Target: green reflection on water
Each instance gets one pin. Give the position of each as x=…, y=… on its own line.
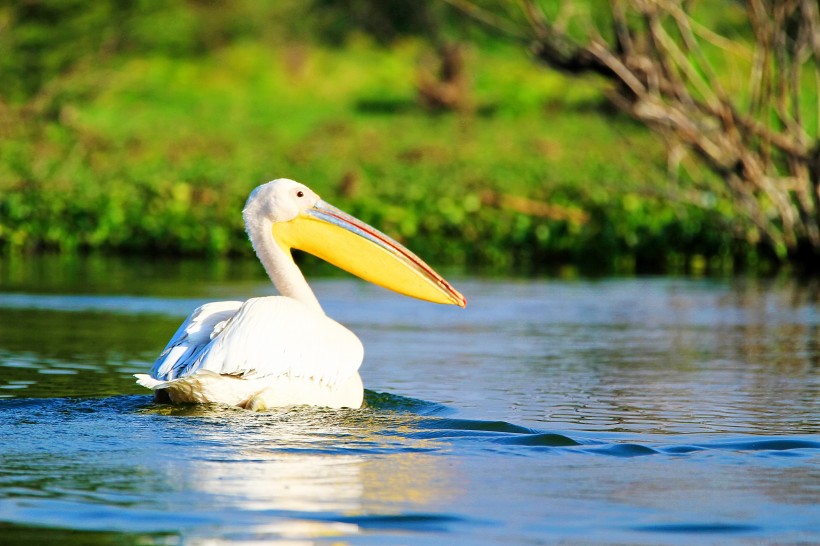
x=96, y=274
x=24, y=534
x=82, y=353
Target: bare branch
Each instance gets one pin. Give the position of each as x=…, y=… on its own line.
x=488, y=18
x=708, y=35
x=621, y=27
x=761, y=91
x=662, y=76
x=684, y=25
x=669, y=46
x=600, y=52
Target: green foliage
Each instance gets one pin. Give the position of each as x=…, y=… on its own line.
x=42, y=40
x=154, y=144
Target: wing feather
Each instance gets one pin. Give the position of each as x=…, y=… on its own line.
x=192, y=336
x=263, y=337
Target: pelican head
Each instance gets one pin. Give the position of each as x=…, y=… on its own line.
x=295, y=217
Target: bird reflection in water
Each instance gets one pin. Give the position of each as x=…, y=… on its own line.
x=304, y=473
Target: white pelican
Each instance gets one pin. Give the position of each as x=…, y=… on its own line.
x=283, y=350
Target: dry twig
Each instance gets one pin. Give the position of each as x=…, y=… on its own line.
x=759, y=145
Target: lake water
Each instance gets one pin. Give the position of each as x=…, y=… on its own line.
x=629, y=411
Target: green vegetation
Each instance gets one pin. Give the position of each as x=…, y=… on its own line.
x=137, y=141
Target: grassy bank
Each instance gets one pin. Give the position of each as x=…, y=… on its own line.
x=150, y=153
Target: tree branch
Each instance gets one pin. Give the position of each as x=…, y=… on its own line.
x=763, y=152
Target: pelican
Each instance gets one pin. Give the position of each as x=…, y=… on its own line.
x=283, y=350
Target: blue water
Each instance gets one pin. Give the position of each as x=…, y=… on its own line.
x=627, y=411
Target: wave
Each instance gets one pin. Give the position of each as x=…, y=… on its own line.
x=388, y=422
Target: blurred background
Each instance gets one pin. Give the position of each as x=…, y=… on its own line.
x=485, y=135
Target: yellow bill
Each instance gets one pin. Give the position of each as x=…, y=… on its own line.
x=350, y=244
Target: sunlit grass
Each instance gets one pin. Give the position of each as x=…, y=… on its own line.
x=152, y=152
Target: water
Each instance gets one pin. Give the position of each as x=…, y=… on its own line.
x=629, y=411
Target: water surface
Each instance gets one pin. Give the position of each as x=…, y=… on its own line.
x=641, y=411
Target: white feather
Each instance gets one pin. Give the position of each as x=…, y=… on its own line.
x=279, y=350
x=193, y=336
x=274, y=347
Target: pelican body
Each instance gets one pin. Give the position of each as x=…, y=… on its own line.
x=283, y=350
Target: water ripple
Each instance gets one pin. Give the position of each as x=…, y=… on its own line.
x=128, y=305
x=698, y=528
x=633, y=411
x=394, y=424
